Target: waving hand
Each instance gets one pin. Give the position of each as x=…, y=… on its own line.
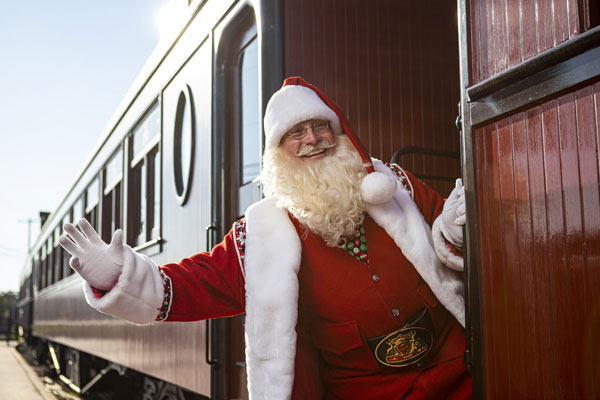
x=98, y=263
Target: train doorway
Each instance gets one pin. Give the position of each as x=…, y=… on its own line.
x=237, y=145
x=392, y=67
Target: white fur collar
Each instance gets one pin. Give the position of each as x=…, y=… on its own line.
x=273, y=253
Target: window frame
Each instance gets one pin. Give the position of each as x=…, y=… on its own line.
x=67, y=218
x=247, y=41
x=144, y=158
x=242, y=31
x=111, y=195
x=49, y=243
x=184, y=113
x=42, y=273
x=91, y=212
x=58, y=256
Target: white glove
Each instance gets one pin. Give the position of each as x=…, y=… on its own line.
x=453, y=216
x=98, y=263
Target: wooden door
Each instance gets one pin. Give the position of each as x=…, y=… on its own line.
x=530, y=85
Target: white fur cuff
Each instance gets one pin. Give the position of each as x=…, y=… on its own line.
x=449, y=259
x=138, y=293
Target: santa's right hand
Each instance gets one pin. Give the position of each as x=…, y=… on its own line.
x=98, y=263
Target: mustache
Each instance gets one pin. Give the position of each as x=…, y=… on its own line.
x=309, y=148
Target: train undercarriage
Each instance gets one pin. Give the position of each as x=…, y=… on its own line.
x=71, y=374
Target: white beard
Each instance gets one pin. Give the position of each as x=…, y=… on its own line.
x=323, y=195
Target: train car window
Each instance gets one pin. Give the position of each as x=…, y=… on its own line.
x=111, y=196
x=249, y=110
x=58, y=257
x=37, y=271
x=154, y=215
x=91, y=202
x=43, y=273
x=76, y=214
x=144, y=190
x=78, y=210
x=137, y=204
x=147, y=133
x=56, y=235
x=113, y=171
x=65, y=255
x=183, y=147
x=25, y=290
x=248, y=122
x=50, y=260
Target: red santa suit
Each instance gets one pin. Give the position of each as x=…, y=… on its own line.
x=311, y=309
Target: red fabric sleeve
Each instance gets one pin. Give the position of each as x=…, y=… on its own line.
x=428, y=200
x=207, y=285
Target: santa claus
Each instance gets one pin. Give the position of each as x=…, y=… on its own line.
x=348, y=271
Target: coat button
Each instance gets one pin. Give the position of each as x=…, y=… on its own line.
x=420, y=364
x=395, y=312
x=375, y=278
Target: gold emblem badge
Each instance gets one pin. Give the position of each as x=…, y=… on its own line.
x=404, y=347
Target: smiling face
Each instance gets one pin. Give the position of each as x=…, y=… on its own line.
x=309, y=140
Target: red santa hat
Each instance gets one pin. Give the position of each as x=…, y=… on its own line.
x=298, y=101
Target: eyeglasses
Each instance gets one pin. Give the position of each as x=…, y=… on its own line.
x=300, y=133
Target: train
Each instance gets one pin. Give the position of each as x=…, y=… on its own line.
x=176, y=166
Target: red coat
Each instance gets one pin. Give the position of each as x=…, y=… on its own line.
x=342, y=305
x=342, y=302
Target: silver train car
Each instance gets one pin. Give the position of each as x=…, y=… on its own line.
x=175, y=166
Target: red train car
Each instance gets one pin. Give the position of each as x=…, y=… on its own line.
x=185, y=144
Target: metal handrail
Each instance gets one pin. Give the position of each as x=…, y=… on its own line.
x=410, y=150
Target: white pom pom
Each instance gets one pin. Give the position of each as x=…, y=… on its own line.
x=377, y=187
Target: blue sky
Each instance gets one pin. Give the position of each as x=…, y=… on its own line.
x=64, y=67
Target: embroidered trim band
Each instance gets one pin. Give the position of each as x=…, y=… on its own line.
x=239, y=235
x=168, y=295
x=400, y=174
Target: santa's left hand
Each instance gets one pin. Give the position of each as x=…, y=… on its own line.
x=453, y=216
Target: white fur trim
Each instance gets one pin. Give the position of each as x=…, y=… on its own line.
x=273, y=254
x=439, y=244
x=378, y=187
x=403, y=221
x=138, y=293
x=291, y=105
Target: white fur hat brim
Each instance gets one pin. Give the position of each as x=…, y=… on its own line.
x=291, y=105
